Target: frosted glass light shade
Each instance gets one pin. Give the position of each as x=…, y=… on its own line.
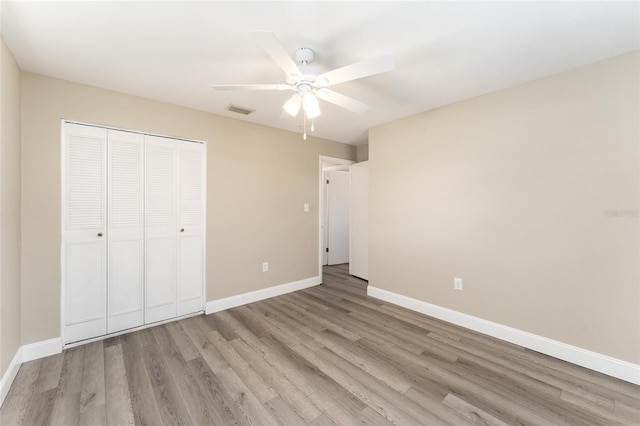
x=292, y=106
x=310, y=105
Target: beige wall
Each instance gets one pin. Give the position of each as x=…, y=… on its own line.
x=9, y=207
x=362, y=153
x=258, y=180
x=531, y=196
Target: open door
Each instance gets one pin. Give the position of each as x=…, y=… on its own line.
x=359, y=221
x=337, y=217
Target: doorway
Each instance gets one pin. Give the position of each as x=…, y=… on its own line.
x=333, y=211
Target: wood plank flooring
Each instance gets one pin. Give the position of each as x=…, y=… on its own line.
x=322, y=356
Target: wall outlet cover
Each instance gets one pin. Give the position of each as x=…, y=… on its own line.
x=457, y=283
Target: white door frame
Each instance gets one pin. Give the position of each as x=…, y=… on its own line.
x=334, y=161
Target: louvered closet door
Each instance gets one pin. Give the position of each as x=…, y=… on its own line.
x=160, y=229
x=83, y=232
x=191, y=205
x=125, y=271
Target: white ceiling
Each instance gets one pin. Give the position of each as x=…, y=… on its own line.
x=444, y=51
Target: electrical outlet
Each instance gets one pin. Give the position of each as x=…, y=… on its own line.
x=305, y=207
x=457, y=283
x=265, y=266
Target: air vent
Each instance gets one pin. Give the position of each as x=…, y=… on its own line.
x=239, y=109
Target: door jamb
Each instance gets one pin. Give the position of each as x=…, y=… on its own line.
x=321, y=160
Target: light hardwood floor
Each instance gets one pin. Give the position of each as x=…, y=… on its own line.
x=321, y=356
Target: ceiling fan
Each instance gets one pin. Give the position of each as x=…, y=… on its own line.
x=308, y=83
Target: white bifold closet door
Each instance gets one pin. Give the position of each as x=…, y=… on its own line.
x=133, y=230
x=174, y=228
x=191, y=238
x=125, y=230
x=84, y=242
x=161, y=224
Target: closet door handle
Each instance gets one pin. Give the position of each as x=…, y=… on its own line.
x=99, y=234
x=181, y=229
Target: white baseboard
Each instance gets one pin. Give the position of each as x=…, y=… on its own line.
x=41, y=349
x=255, y=296
x=602, y=363
x=10, y=375
x=54, y=346
x=26, y=353
x=129, y=330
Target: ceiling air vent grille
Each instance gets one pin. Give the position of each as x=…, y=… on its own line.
x=239, y=109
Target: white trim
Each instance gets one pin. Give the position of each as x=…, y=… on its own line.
x=41, y=349
x=592, y=360
x=26, y=353
x=54, y=346
x=63, y=154
x=109, y=127
x=321, y=159
x=204, y=226
x=10, y=375
x=255, y=296
x=129, y=330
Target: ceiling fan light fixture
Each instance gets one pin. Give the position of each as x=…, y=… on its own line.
x=310, y=105
x=292, y=106
x=312, y=112
x=305, y=78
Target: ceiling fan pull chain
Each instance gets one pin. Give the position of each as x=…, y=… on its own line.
x=304, y=126
x=306, y=81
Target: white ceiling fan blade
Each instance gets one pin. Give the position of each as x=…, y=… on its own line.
x=252, y=87
x=358, y=70
x=342, y=101
x=274, y=48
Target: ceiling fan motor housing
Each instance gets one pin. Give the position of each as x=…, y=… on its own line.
x=304, y=56
x=308, y=81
